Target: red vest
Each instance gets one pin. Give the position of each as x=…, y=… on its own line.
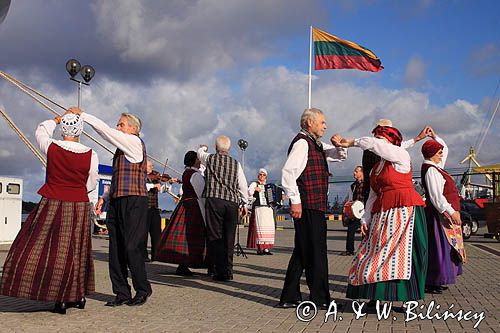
x=394, y=189
x=128, y=178
x=450, y=191
x=313, y=181
x=67, y=174
x=187, y=188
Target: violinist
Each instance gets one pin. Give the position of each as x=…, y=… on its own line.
x=154, y=185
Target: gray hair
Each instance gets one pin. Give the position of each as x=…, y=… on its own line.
x=308, y=114
x=133, y=120
x=222, y=143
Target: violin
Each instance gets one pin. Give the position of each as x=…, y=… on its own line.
x=162, y=177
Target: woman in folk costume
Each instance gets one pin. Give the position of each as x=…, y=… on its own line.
x=51, y=257
x=442, y=210
x=261, y=229
x=391, y=261
x=183, y=241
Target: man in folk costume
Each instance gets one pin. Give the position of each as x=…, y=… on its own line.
x=184, y=239
x=356, y=194
x=51, y=257
x=261, y=229
x=305, y=180
x=391, y=261
x=446, y=246
x=127, y=210
x=154, y=186
x=225, y=190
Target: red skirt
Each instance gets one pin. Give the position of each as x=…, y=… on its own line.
x=183, y=241
x=51, y=257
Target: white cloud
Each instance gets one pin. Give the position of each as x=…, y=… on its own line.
x=415, y=72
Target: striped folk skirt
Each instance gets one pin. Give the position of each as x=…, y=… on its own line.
x=183, y=241
x=261, y=230
x=51, y=257
x=401, y=289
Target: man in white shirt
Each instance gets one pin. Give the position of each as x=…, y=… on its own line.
x=225, y=190
x=127, y=211
x=305, y=180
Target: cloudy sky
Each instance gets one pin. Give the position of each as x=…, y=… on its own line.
x=195, y=69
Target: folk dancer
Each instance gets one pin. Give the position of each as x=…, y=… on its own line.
x=184, y=239
x=225, y=191
x=51, y=257
x=261, y=229
x=154, y=186
x=442, y=210
x=391, y=261
x=356, y=194
x=127, y=209
x=305, y=180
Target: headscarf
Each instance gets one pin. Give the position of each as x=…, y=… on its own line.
x=390, y=133
x=71, y=125
x=430, y=148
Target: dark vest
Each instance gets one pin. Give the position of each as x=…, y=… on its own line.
x=67, y=174
x=358, y=192
x=221, y=178
x=128, y=178
x=153, y=195
x=450, y=191
x=313, y=181
x=188, y=191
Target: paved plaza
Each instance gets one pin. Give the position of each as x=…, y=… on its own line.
x=198, y=304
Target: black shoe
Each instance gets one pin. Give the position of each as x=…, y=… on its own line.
x=138, y=300
x=260, y=253
x=287, y=305
x=60, y=308
x=267, y=252
x=80, y=304
x=221, y=278
x=443, y=288
x=118, y=301
x=183, y=271
x=433, y=290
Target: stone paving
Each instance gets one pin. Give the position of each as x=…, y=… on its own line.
x=198, y=304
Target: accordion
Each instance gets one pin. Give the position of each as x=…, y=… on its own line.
x=269, y=195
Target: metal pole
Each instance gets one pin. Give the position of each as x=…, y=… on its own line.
x=310, y=64
x=79, y=93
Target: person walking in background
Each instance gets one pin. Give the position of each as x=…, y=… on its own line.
x=51, y=257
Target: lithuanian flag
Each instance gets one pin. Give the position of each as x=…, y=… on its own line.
x=331, y=52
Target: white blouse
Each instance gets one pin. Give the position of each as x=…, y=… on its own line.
x=44, y=133
x=435, y=182
x=396, y=155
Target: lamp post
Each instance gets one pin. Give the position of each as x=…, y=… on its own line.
x=87, y=72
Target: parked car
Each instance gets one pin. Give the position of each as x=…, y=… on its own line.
x=477, y=213
x=467, y=224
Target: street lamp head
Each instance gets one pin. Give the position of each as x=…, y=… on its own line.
x=87, y=72
x=243, y=144
x=73, y=67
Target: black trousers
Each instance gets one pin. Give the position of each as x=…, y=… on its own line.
x=127, y=222
x=154, y=230
x=352, y=225
x=309, y=254
x=222, y=217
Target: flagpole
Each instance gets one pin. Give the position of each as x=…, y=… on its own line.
x=310, y=63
